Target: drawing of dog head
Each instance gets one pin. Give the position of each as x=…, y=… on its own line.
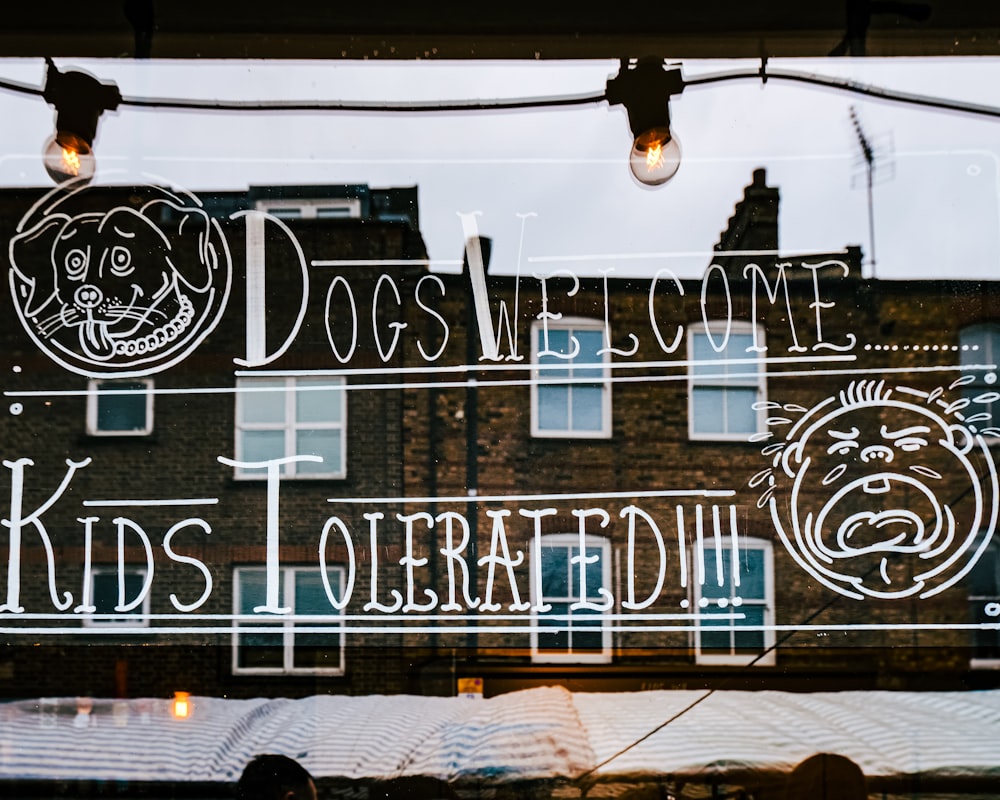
x=881, y=492
x=116, y=291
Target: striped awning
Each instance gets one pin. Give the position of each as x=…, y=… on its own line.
x=890, y=735
x=522, y=736
x=537, y=734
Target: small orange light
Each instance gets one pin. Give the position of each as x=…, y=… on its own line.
x=654, y=157
x=181, y=707
x=71, y=161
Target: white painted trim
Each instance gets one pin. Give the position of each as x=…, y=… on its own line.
x=557, y=657
x=287, y=628
x=735, y=327
x=290, y=426
x=576, y=323
x=740, y=659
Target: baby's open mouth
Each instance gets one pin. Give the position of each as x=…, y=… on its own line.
x=890, y=530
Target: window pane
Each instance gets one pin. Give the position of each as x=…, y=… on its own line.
x=318, y=404
x=263, y=406
x=105, y=591
x=260, y=651
x=739, y=346
x=324, y=443
x=105, y=595
x=553, y=408
x=558, y=343
x=708, y=409
x=986, y=642
x=715, y=634
x=752, y=576
x=711, y=588
x=984, y=580
x=590, y=342
x=749, y=640
x=586, y=633
x=702, y=350
x=263, y=445
x=553, y=640
x=310, y=596
x=316, y=651
x=555, y=572
x=333, y=212
x=121, y=412
x=253, y=589
x=595, y=574
x=979, y=344
x=586, y=407
x=740, y=415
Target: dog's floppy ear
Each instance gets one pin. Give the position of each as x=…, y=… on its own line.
x=31, y=254
x=192, y=252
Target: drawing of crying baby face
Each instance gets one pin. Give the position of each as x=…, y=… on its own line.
x=870, y=494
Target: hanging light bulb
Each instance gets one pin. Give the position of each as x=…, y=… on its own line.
x=67, y=156
x=655, y=156
x=645, y=89
x=79, y=100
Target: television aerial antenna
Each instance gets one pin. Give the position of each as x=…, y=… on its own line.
x=874, y=164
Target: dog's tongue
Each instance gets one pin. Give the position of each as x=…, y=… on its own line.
x=95, y=341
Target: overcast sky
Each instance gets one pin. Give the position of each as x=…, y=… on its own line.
x=935, y=201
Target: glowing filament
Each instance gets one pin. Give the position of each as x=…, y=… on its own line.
x=654, y=156
x=71, y=161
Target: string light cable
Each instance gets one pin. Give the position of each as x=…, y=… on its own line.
x=764, y=75
x=644, y=87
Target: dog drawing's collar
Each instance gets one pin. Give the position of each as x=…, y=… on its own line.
x=152, y=342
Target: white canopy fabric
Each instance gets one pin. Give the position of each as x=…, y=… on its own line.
x=537, y=734
x=888, y=734
x=526, y=735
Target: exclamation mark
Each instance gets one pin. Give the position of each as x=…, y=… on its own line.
x=735, y=555
x=720, y=572
x=682, y=554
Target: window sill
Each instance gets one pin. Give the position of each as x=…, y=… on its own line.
x=570, y=658
x=735, y=660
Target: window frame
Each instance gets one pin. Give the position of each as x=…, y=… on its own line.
x=310, y=208
x=138, y=618
x=285, y=625
x=93, y=417
x=567, y=541
x=734, y=658
x=724, y=382
x=990, y=332
x=290, y=471
x=992, y=553
x=571, y=324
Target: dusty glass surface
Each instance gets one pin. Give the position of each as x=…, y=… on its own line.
x=350, y=420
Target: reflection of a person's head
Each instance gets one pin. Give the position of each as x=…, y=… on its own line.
x=275, y=777
x=826, y=776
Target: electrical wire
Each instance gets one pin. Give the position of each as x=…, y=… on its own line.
x=733, y=677
x=763, y=74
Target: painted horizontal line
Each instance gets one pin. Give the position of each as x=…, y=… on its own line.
x=468, y=629
x=676, y=254
x=336, y=619
x=386, y=262
x=503, y=498
x=486, y=384
x=193, y=501
x=523, y=366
